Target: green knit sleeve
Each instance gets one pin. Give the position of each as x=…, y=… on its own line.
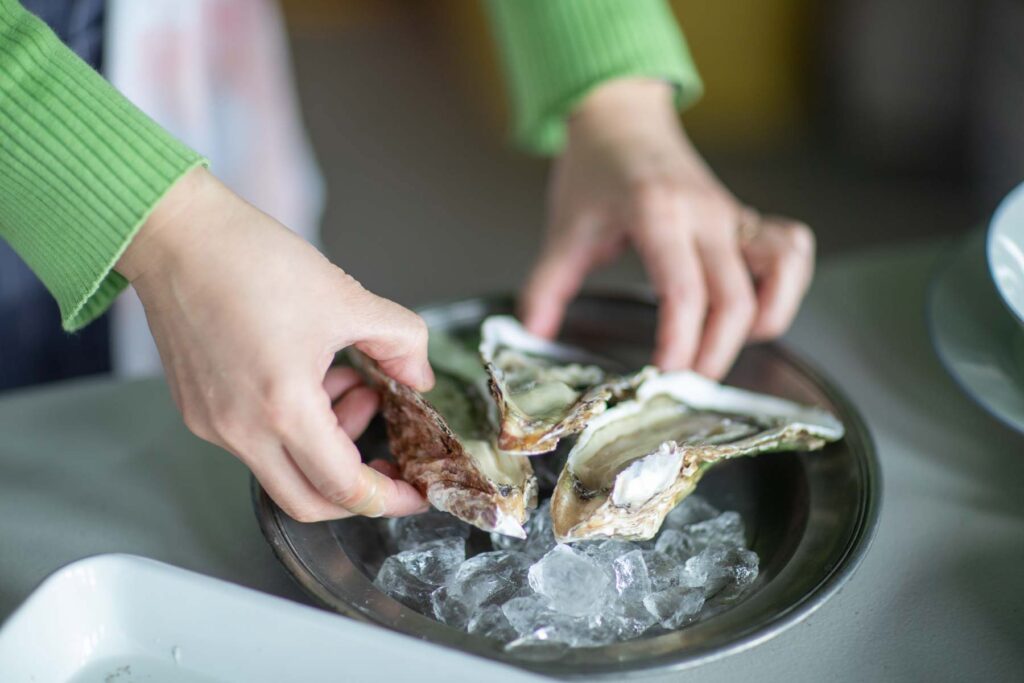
x=556, y=51
x=80, y=166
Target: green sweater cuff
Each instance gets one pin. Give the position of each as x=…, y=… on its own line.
x=556, y=51
x=80, y=167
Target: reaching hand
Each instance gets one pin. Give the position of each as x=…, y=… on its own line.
x=248, y=317
x=722, y=273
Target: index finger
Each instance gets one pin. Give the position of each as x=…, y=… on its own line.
x=396, y=338
x=731, y=307
x=552, y=284
x=670, y=257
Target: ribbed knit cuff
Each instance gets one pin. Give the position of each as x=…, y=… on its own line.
x=80, y=167
x=556, y=51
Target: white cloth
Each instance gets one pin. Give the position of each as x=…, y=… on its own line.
x=216, y=74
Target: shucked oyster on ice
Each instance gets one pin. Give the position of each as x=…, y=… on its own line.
x=631, y=464
x=638, y=460
x=544, y=391
x=445, y=445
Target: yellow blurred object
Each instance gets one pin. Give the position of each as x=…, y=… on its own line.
x=464, y=28
x=752, y=54
x=754, y=58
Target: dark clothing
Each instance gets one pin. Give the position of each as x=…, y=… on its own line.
x=79, y=23
x=33, y=347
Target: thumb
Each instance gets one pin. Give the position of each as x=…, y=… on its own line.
x=551, y=285
x=396, y=338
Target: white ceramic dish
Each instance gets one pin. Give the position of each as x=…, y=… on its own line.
x=121, y=618
x=1005, y=249
x=975, y=337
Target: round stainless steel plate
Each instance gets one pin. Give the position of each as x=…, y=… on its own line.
x=809, y=516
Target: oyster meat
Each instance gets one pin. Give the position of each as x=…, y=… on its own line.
x=639, y=459
x=445, y=444
x=544, y=391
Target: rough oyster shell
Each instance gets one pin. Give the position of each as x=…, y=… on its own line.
x=544, y=391
x=638, y=460
x=445, y=446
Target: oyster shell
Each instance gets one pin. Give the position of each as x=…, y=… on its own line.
x=638, y=460
x=544, y=391
x=445, y=445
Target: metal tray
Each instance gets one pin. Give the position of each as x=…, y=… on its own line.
x=810, y=517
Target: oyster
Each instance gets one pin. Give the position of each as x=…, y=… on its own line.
x=544, y=391
x=445, y=445
x=638, y=460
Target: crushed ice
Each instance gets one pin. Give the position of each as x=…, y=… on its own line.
x=534, y=594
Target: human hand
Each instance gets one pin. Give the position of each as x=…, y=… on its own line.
x=247, y=318
x=628, y=175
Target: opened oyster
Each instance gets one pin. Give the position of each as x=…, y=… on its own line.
x=638, y=460
x=544, y=391
x=445, y=444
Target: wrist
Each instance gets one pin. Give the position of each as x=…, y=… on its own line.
x=624, y=103
x=167, y=232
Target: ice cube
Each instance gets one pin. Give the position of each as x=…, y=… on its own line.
x=571, y=581
x=410, y=532
x=601, y=629
x=630, y=621
x=491, y=622
x=411, y=576
x=605, y=552
x=632, y=581
x=666, y=571
x=525, y=613
x=622, y=615
x=448, y=610
x=434, y=561
x=725, y=570
x=724, y=530
x=674, y=544
x=745, y=567
x=694, y=572
x=534, y=618
x=675, y=606
x=540, y=538
x=489, y=578
x=587, y=594
x=693, y=509
x=662, y=569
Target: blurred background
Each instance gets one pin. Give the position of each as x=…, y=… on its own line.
x=875, y=121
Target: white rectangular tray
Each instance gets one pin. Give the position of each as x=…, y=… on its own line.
x=121, y=618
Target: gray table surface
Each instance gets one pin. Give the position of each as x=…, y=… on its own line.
x=99, y=466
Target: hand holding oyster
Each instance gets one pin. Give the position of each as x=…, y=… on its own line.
x=445, y=445
x=645, y=439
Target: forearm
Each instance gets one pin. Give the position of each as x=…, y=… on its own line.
x=556, y=51
x=80, y=167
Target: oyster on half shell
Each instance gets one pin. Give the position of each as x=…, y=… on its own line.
x=445, y=444
x=638, y=460
x=544, y=391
